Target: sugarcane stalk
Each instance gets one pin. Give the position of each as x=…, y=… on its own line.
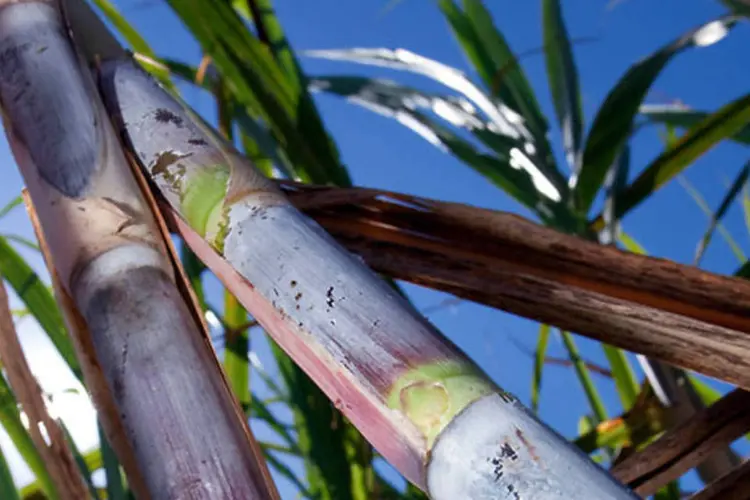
x=415, y=396
x=111, y=259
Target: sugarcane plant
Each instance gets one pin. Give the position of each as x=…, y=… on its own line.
x=426, y=407
x=498, y=129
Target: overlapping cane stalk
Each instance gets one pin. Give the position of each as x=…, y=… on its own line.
x=110, y=256
x=420, y=401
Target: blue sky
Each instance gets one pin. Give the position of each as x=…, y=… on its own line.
x=381, y=153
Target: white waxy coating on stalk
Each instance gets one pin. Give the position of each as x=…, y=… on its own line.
x=497, y=450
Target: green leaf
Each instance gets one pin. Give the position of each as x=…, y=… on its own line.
x=623, y=374
x=669, y=492
x=194, y=269
x=539, y=357
x=679, y=116
x=277, y=41
x=741, y=7
x=586, y=425
x=402, y=103
x=321, y=433
x=236, y=365
x=10, y=419
x=563, y=81
x=704, y=136
x=616, y=181
x=726, y=202
x=21, y=240
x=115, y=487
x=743, y=271
x=8, y=489
x=131, y=35
x=39, y=301
x=257, y=81
x=494, y=61
x=260, y=411
x=708, y=394
x=614, y=436
x=18, y=200
x=501, y=118
x=582, y=371
x=286, y=472
x=701, y=202
x=614, y=120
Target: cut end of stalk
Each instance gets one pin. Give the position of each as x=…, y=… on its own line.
x=496, y=449
x=433, y=394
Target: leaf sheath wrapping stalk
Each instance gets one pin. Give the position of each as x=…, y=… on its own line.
x=427, y=408
x=111, y=259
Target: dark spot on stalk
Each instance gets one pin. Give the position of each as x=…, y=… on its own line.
x=298, y=296
x=163, y=115
x=293, y=283
x=512, y=490
x=506, y=397
x=329, y=298
x=299, y=324
x=297, y=307
x=118, y=388
x=507, y=451
x=164, y=161
x=333, y=322
x=275, y=292
x=497, y=468
x=197, y=142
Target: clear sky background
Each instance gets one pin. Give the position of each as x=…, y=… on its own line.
x=381, y=153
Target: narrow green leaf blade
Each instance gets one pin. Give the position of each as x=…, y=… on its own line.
x=18, y=200
x=623, y=375
x=10, y=419
x=582, y=372
x=7, y=486
x=328, y=470
x=395, y=101
x=115, y=487
x=679, y=116
x=743, y=271
x=698, y=140
x=39, y=300
x=131, y=35
x=509, y=81
x=539, y=357
x=717, y=216
x=257, y=81
x=701, y=202
x=563, y=80
x=237, y=346
x=614, y=120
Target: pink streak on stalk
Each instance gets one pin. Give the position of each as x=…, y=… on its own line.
x=395, y=437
